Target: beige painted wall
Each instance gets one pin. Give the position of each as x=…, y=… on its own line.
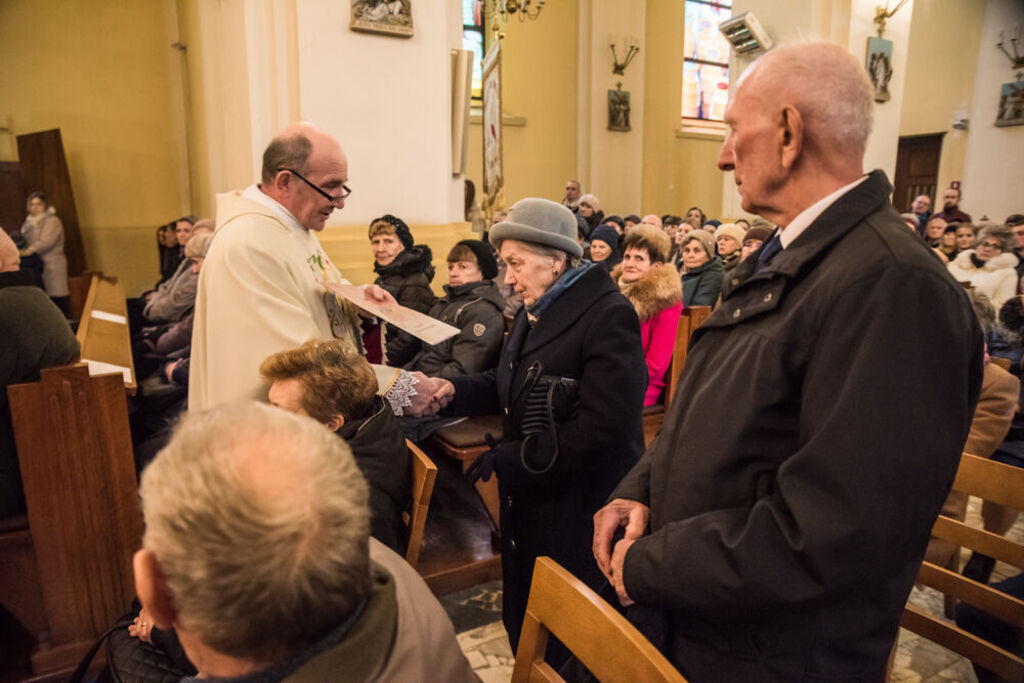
x=615, y=161
x=105, y=75
x=678, y=172
x=942, y=60
x=539, y=83
x=994, y=161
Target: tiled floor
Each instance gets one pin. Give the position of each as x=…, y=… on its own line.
x=476, y=613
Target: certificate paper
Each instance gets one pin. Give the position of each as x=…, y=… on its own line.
x=97, y=367
x=430, y=330
x=111, y=317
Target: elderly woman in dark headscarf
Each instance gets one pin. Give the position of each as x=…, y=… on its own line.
x=604, y=247
x=570, y=384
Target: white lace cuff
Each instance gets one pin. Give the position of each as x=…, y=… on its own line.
x=401, y=392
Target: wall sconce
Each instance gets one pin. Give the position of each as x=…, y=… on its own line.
x=619, y=68
x=884, y=13
x=1016, y=59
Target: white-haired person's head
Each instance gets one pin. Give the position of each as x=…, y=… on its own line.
x=799, y=120
x=837, y=110
x=257, y=533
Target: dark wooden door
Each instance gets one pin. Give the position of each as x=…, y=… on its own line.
x=44, y=167
x=917, y=169
x=12, y=196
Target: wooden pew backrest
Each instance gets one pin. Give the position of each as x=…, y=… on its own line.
x=1002, y=484
x=75, y=453
x=607, y=644
x=424, y=473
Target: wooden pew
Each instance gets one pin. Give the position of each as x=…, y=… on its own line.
x=1003, y=484
x=103, y=331
x=424, y=473
x=72, y=568
x=604, y=641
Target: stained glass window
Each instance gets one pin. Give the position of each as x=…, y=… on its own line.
x=705, y=60
x=473, y=40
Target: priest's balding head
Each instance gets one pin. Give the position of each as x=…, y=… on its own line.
x=305, y=170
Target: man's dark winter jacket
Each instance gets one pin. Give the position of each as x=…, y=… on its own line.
x=794, y=484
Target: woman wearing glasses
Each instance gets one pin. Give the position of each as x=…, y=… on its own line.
x=990, y=266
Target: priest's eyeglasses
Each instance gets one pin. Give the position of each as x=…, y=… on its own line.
x=345, y=191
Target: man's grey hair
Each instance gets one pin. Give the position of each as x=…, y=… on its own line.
x=259, y=522
x=829, y=87
x=291, y=152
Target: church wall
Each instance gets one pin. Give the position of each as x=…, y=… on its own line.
x=388, y=100
x=679, y=170
x=945, y=40
x=105, y=75
x=539, y=74
x=614, y=163
x=994, y=161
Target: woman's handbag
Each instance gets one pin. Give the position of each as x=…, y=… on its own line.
x=550, y=401
x=131, y=660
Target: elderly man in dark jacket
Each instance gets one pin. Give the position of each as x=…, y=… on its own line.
x=774, y=529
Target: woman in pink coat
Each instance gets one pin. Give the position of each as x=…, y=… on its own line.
x=654, y=288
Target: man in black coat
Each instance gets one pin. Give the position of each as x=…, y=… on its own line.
x=774, y=529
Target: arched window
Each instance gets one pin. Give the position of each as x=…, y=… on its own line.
x=473, y=40
x=705, y=60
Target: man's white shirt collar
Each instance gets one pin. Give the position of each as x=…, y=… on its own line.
x=255, y=194
x=811, y=213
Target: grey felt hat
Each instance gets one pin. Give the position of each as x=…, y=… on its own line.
x=539, y=221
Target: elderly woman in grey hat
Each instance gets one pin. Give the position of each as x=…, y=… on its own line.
x=570, y=386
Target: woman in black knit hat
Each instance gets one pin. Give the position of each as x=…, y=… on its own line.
x=405, y=270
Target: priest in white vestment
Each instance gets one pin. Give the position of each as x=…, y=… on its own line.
x=262, y=286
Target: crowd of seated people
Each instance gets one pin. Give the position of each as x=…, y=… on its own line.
x=160, y=322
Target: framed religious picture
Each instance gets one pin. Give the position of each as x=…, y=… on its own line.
x=618, y=109
x=1011, y=105
x=493, y=172
x=392, y=17
x=879, y=65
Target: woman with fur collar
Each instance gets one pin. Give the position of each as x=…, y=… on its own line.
x=653, y=287
x=990, y=267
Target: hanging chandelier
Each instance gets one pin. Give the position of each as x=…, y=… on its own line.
x=504, y=10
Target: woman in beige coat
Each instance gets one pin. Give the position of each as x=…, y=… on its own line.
x=44, y=235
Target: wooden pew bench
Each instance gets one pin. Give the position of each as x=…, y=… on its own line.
x=68, y=577
x=103, y=331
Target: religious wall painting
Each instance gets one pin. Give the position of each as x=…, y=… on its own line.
x=618, y=109
x=879, y=66
x=491, y=115
x=391, y=17
x=1011, y=104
